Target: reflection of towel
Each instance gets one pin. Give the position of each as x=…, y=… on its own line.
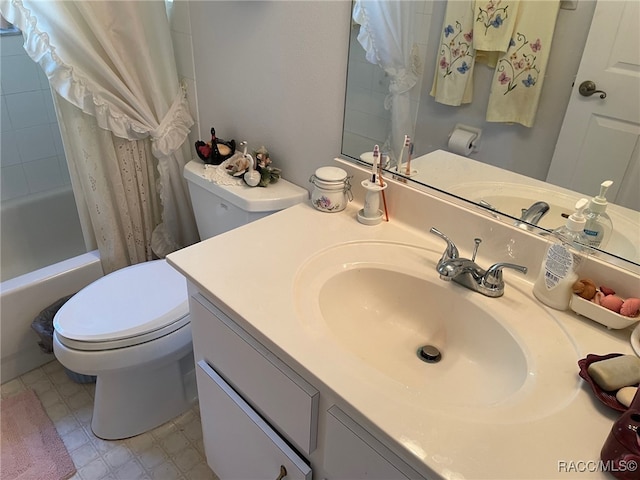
x=476, y=31
x=517, y=81
x=452, y=82
x=493, y=26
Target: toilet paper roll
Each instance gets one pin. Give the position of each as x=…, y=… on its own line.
x=461, y=142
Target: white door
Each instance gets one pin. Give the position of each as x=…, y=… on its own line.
x=599, y=139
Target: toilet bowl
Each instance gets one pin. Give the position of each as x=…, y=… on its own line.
x=131, y=328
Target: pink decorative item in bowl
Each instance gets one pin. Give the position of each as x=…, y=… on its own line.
x=600, y=314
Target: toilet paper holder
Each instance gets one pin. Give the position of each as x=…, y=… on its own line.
x=475, y=143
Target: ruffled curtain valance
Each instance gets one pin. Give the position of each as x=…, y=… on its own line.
x=102, y=61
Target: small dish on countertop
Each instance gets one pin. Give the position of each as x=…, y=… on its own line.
x=600, y=314
x=608, y=398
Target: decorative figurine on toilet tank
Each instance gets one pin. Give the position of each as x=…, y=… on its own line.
x=255, y=170
x=268, y=173
x=216, y=151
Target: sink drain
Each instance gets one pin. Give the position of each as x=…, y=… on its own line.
x=429, y=354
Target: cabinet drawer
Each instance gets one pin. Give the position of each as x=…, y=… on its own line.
x=352, y=452
x=239, y=444
x=279, y=394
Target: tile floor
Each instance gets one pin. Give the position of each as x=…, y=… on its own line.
x=173, y=451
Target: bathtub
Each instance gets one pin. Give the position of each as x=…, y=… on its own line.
x=23, y=297
x=38, y=230
x=42, y=259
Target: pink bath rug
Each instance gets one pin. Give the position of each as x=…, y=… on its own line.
x=31, y=446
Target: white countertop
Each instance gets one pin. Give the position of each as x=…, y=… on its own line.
x=251, y=271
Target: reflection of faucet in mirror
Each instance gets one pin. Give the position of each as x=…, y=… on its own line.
x=531, y=153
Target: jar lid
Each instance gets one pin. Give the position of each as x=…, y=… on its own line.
x=331, y=174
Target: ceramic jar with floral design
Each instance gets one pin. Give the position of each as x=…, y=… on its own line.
x=332, y=189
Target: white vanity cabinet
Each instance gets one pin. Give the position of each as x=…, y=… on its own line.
x=259, y=415
x=353, y=453
x=245, y=394
x=238, y=442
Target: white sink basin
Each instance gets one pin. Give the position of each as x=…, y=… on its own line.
x=503, y=359
x=386, y=330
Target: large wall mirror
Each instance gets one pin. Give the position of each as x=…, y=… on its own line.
x=575, y=143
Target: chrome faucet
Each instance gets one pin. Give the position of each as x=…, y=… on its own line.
x=468, y=273
x=534, y=213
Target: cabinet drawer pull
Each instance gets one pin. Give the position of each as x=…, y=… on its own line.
x=283, y=473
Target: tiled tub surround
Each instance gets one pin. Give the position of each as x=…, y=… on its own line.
x=434, y=444
x=37, y=231
x=33, y=159
x=171, y=451
x=40, y=224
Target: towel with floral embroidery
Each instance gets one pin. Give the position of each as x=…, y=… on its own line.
x=519, y=75
x=453, y=78
x=493, y=24
x=519, y=72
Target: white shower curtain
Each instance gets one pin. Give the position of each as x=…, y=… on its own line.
x=119, y=198
x=387, y=36
x=114, y=61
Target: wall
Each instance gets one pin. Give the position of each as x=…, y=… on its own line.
x=180, y=24
x=273, y=73
x=32, y=155
x=37, y=199
x=38, y=230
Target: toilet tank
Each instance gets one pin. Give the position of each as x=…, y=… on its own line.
x=219, y=208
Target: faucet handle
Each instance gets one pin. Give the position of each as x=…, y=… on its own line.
x=493, y=276
x=451, y=253
x=477, y=241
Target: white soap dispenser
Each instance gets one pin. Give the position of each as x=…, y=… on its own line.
x=599, y=225
x=559, y=269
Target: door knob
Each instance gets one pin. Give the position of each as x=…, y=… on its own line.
x=588, y=88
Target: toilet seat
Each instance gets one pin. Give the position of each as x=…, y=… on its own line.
x=128, y=307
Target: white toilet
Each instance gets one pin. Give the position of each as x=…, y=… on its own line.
x=131, y=328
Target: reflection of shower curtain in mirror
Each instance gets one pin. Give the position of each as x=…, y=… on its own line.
x=387, y=36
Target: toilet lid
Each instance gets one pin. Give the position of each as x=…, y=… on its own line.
x=126, y=307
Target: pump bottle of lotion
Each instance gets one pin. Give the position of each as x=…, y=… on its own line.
x=559, y=269
x=599, y=225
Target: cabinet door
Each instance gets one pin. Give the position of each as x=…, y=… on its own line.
x=239, y=444
x=274, y=390
x=353, y=453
